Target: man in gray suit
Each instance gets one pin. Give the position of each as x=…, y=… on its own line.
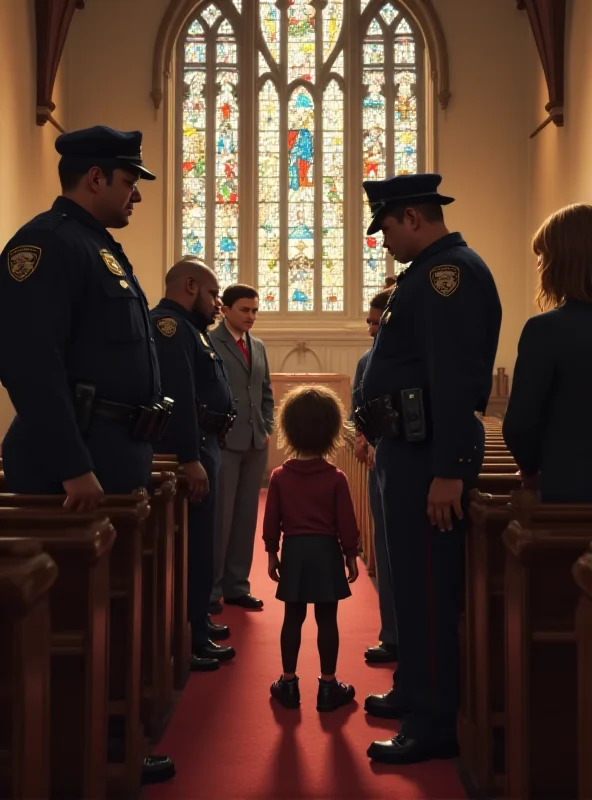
x=245, y=455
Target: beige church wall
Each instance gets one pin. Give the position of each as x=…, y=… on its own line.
x=481, y=148
x=561, y=158
x=28, y=161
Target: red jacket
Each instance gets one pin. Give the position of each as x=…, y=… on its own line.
x=309, y=497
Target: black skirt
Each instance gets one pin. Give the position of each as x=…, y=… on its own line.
x=312, y=570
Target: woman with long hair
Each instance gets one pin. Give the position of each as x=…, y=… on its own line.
x=548, y=427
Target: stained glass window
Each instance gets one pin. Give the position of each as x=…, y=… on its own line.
x=389, y=121
x=275, y=142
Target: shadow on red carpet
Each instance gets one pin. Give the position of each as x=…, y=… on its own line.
x=230, y=741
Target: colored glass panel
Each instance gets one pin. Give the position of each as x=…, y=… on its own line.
x=269, y=17
x=227, y=197
x=301, y=40
x=211, y=14
x=332, y=22
x=405, y=123
x=388, y=13
x=333, y=167
x=268, y=234
x=301, y=205
x=194, y=144
x=389, y=141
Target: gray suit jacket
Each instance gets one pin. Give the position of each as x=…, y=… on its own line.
x=251, y=389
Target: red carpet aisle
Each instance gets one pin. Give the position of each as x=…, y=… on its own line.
x=230, y=742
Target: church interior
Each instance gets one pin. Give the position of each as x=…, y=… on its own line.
x=261, y=119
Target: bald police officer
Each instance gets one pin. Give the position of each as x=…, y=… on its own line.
x=194, y=375
x=428, y=377
x=76, y=353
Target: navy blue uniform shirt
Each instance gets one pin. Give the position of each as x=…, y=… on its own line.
x=440, y=333
x=71, y=311
x=192, y=373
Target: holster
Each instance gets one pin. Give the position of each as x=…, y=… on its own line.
x=400, y=416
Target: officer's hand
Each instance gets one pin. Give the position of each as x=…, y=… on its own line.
x=199, y=485
x=83, y=493
x=371, y=459
x=445, y=496
x=273, y=567
x=352, y=568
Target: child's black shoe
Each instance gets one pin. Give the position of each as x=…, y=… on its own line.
x=287, y=692
x=333, y=694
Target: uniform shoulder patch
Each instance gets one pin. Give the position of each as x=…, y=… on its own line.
x=445, y=279
x=167, y=326
x=23, y=261
x=112, y=263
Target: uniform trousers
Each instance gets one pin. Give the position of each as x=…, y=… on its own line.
x=201, y=519
x=241, y=475
x=120, y=464
x=427, y=568
x=388, y=622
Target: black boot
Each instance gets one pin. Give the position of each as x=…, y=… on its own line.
x=287, y=692
x=386, y=706
x=157, y=769
x=333, y=694
x=216, y=633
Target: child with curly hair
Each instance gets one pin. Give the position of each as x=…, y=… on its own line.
x=309, y=503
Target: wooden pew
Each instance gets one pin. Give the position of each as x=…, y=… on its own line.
x=181, y=633
x=80, y=545
x=157, y=606
x=481, y=632
x=26, y=577
x=582, y=572
x=541, y=663
x=128, y=514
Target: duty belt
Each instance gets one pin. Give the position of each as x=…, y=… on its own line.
x=404, y=415
x=215, y=421
x=146, y=423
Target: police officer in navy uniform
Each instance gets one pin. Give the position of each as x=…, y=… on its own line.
x=193, y=374
x=427, y=381
x=76, y=354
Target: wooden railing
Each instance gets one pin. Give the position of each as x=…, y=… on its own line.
x=357, y=475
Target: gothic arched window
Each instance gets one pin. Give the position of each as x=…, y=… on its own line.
x=287, y=106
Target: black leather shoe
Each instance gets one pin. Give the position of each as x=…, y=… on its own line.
x=382, y=654
x=286, y=692
x=197, y=664
x=157, y=769
x=403, y=750
x=244, y=601
x=215, y=608
x=333, y=694
x=212, y=650
x=217, y=632
x=386, y=706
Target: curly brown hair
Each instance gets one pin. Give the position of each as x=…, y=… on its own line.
x=563, y=244
x=311, y=420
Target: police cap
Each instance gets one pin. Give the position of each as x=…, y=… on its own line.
x=402, y=190
x=102, y=145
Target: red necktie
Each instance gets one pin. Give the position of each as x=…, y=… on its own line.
x=245, y=350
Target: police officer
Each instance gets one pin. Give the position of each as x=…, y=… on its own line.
x=195, y=377
x=76, y=354
x=429, y=372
